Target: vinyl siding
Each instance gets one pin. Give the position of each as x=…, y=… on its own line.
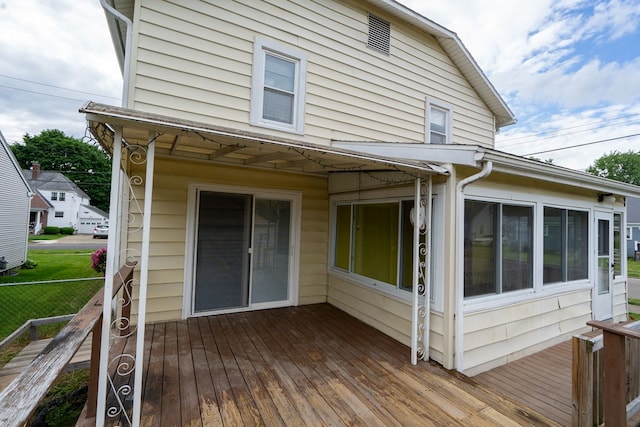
x=387, y=314
x=194, y=61
x=498, y=336
x=14, y=211
x=169, y=229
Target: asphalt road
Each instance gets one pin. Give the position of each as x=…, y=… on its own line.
x=76, y=241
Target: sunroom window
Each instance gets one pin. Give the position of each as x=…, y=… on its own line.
x=566, y=243
x=498, y=248
x=375, y=241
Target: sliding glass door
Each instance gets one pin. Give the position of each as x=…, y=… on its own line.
x=243, y=251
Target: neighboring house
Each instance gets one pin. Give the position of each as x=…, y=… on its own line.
x=65, y=197
x=90, y=216
x=286, y=145
x=14, y=211
x=633, y=226
x=39, y=214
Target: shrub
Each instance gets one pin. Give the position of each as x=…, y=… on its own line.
x=29, y=264
x=99, y=260
x=67, y=230
x=51, y=230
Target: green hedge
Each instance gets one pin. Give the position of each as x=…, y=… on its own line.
x=51, y=230
x=67, y=230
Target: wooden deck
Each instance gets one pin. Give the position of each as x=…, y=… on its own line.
x=310, y=365
x=541, y=381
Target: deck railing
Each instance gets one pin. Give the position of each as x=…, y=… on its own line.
x=615, y=355
x=20, y=398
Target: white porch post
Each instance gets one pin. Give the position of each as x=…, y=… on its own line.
x=421, y=218
x=144, y=275
x=111, y=268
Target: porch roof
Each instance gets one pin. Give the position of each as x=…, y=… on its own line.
x=199, y=141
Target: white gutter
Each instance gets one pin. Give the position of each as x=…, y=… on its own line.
x=459, y=266
x=127, y=49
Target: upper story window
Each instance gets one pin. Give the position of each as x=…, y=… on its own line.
x=438, y=122
x=54, y=195
x=62, y=197
x=278, y=87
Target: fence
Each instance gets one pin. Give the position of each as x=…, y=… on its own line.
x=20, y=302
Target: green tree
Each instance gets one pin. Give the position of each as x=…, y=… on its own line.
x=88, y=166
x=624, y=167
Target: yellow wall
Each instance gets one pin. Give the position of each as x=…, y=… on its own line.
x=194, y=61
x=169, y=228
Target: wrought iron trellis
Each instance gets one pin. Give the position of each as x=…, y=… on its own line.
x=421, y=218
x=119, y=393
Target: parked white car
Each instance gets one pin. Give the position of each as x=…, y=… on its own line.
x=101, y=231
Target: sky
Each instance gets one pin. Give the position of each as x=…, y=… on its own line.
x=568, y=69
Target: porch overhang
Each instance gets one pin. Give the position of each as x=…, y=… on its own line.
x=197, y=141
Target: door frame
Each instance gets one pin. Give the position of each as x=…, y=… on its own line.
x=602, y=304
x=194, y=188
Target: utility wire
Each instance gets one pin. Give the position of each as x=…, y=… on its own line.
x=54, y=86
x=45, y=94
x=582, y=145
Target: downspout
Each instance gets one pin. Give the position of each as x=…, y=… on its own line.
x=127, y=49
x=459, y=281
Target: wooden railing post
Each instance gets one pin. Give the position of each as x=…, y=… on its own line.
x=615, y=390
x=92, y=397
x=615, y=375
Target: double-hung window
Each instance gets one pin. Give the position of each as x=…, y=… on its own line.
x=375, y=241
x=54, y=195
x=566, y=245
x=62, y=197
x=438, y=122
x=278, y=87
x=498, y=248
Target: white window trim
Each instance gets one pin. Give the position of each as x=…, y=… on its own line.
x=261, y=47
x=539, y=290
x=386, y=196
x=432, y=102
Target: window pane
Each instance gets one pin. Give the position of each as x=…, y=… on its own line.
x=517, y=256
x=617, y=244
x=277, y=106
x=343, y=237
x=577, y=245
x=376, y=241
x=438, y=120
x=279, y=73
x=479, y=248
x=406, y=255
x=553, y=245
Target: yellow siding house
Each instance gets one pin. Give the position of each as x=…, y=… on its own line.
x=284, y=152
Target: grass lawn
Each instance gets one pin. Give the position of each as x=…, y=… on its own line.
x=19, y=303
x=633, y=268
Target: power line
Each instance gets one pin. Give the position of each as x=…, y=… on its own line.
x=562, y=132
x=44, y=94
x=56, y=87
x=583, y=145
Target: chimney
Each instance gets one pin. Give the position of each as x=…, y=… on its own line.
x=35, y=170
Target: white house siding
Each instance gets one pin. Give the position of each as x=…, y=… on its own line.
x=194, y=61
x=497, y=336
x=14, y=211
x=169, y=228
x=387, y=314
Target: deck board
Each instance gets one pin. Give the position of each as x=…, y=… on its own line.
x=541, y=381
x=310, y=365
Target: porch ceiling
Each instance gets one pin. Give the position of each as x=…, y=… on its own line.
x=203, y=142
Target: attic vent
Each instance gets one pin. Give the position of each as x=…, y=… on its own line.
x=379, y=34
